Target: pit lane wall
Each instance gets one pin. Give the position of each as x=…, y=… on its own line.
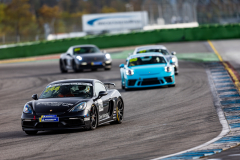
x=204, y=32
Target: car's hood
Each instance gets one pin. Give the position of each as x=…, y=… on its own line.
x=55, y=105
x=148, y=69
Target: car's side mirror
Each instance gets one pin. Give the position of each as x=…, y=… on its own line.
x=68, y=54
x=171, y=61
x=173, y=53
x=102, y=93
x=35, y=97
x=121, y=66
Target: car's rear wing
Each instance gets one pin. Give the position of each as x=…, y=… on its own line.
x=109, y=84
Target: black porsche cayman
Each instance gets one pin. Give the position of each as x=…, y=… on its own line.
x=72, y=104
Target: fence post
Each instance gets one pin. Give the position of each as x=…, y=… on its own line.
x=18, y=39
x=3, y=39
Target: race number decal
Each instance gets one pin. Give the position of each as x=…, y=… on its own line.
x=100, y=105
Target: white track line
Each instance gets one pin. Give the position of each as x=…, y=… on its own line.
x=222, y=119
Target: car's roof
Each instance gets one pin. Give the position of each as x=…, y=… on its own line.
x=74, y=80
x=151, y=47
x=145, y=54
x=84, y=45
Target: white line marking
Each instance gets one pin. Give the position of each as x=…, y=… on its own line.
x=234, y=155
x=222, y=119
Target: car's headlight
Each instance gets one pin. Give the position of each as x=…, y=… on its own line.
x=168, y=69
x=174, y=59
x=27, y=109
x=129, y=72
x=79, y=107
x=108, y=56
x=79, y=58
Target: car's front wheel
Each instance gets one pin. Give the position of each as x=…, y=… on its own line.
x=172, y=85
x=107, y=69
x=123, y=87
x=31, y=132
x=74, y=66
x=62, y=67
x=93, y=118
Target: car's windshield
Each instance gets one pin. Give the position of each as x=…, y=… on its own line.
x=85, y=50
x=84, y=90
x=146, y=60
x=163, y=51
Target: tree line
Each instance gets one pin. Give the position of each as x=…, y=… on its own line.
x=28, y=17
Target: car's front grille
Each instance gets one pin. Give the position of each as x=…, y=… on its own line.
x=168, y=79
x=150, y=81
x=131, y=82
x=93, y=59
x=48, y=125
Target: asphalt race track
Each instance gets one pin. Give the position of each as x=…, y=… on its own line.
x=229, y=51
x=157, y=122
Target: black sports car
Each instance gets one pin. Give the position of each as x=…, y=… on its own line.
x=73, y=104
x=82, y=57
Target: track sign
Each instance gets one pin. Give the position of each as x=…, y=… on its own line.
x=114, y=21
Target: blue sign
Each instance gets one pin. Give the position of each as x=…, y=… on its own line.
x=96, y=63
x=49, y=118
x=91, y=22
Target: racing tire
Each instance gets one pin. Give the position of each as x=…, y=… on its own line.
x=119, y=112
x=123, y=87
x=172, y=85
x=107, y=69
x=62, y=68
x=75, y=69
x=176, y=74
x=93, y=119
x=31, y=132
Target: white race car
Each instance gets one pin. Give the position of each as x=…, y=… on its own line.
x=159, y=49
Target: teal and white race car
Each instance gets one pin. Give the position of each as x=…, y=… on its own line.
x=147, y=70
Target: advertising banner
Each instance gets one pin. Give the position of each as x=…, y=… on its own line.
x=114, y=21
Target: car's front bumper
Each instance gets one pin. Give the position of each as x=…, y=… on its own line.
x=149, y=82
x=91, y=65
x=73, y=121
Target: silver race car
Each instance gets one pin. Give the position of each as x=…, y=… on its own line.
x=159, y=49
x=82, y=57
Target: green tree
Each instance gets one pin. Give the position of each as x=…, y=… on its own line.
x=17, y=16
x=2, y=15
x=50, y=15
x=106, y=9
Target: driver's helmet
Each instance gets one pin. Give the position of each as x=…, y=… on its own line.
x=84, y=89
